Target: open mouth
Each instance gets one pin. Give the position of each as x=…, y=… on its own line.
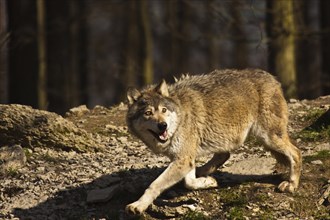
x=161, y=137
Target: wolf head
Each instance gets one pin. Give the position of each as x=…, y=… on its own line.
x=152, y=116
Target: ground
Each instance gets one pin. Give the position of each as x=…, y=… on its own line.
x=60, y=184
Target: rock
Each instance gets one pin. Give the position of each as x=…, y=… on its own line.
x=191, y=207
x=317, y=162
x=102, y=195
x=78, y=111
x=325, y=195
x=123, y=139
x=322, y=122
x=107, y=180
x=33, y=128
x=41, y=169
x=111, y=127
x=11, y=158
x=180, y=211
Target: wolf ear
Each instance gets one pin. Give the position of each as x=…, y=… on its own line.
x=132, y=95
x=162, y=89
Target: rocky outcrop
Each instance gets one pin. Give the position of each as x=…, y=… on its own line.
x=32, y=128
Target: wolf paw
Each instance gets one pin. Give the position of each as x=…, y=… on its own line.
x=201, y=183
x=135, y=208
x=211, y=182
x=287, y=186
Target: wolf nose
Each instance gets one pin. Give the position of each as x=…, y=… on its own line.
x=162, y=126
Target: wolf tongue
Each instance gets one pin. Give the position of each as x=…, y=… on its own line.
x=163, y=136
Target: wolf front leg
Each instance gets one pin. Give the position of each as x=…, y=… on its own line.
x=175, y=172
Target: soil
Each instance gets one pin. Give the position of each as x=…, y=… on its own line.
x=57, y=183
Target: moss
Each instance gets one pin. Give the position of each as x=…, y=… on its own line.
x=28, y=153
x=311, y=135
x=322, y=214
x=314, y=114
x=49, y=158
x=267, y=215
x=236, y=213
x=317, y=131
x=304, y=207
x=236, y=200
x=321, y=155
x=233, y=198
x=194, y=215
x=12, y=172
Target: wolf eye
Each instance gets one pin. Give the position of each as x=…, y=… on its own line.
x=164, y=110
x=148, y=113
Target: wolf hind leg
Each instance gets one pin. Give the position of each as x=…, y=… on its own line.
x=191, y=182
x=213, y=164
x=287, y=154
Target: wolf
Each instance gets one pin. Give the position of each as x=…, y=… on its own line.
x=210, y=114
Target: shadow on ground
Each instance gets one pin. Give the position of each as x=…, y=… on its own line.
x=71, y=203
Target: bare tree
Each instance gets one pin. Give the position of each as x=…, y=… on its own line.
x=281, y=30
x=307, y=49
x=147, y=43
x=42, y=60
x=4, y=36
x=23, y=52
x=240, y=53
x=212, y=38
x=64, y=64
x=133, y=39
x=325, y=41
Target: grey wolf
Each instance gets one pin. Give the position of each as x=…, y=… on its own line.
x=210, y=114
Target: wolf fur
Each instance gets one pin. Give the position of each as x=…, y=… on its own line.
x=209, y=114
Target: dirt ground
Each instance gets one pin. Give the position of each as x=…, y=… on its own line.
x=58, y=184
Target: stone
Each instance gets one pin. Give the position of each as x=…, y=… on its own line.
x=78, y=111
x=102, y=195
x=191, y=207
x=107, y=180
x=34, y=128
x=317, y=162
x=123, y=139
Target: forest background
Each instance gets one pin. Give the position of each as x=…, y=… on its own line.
x=58, y=54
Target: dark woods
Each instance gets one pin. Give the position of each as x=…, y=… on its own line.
x=58, y=54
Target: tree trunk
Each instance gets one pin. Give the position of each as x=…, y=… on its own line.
x=64, y=59
x=147, y=71
x=4, y=36
x=23, y=52
x=133, y=60
x=240, y=55
x=179, y=26
x=212, y=46
x=308, y=50
x=281, y=29
x=325, y=42
x=42, y=50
